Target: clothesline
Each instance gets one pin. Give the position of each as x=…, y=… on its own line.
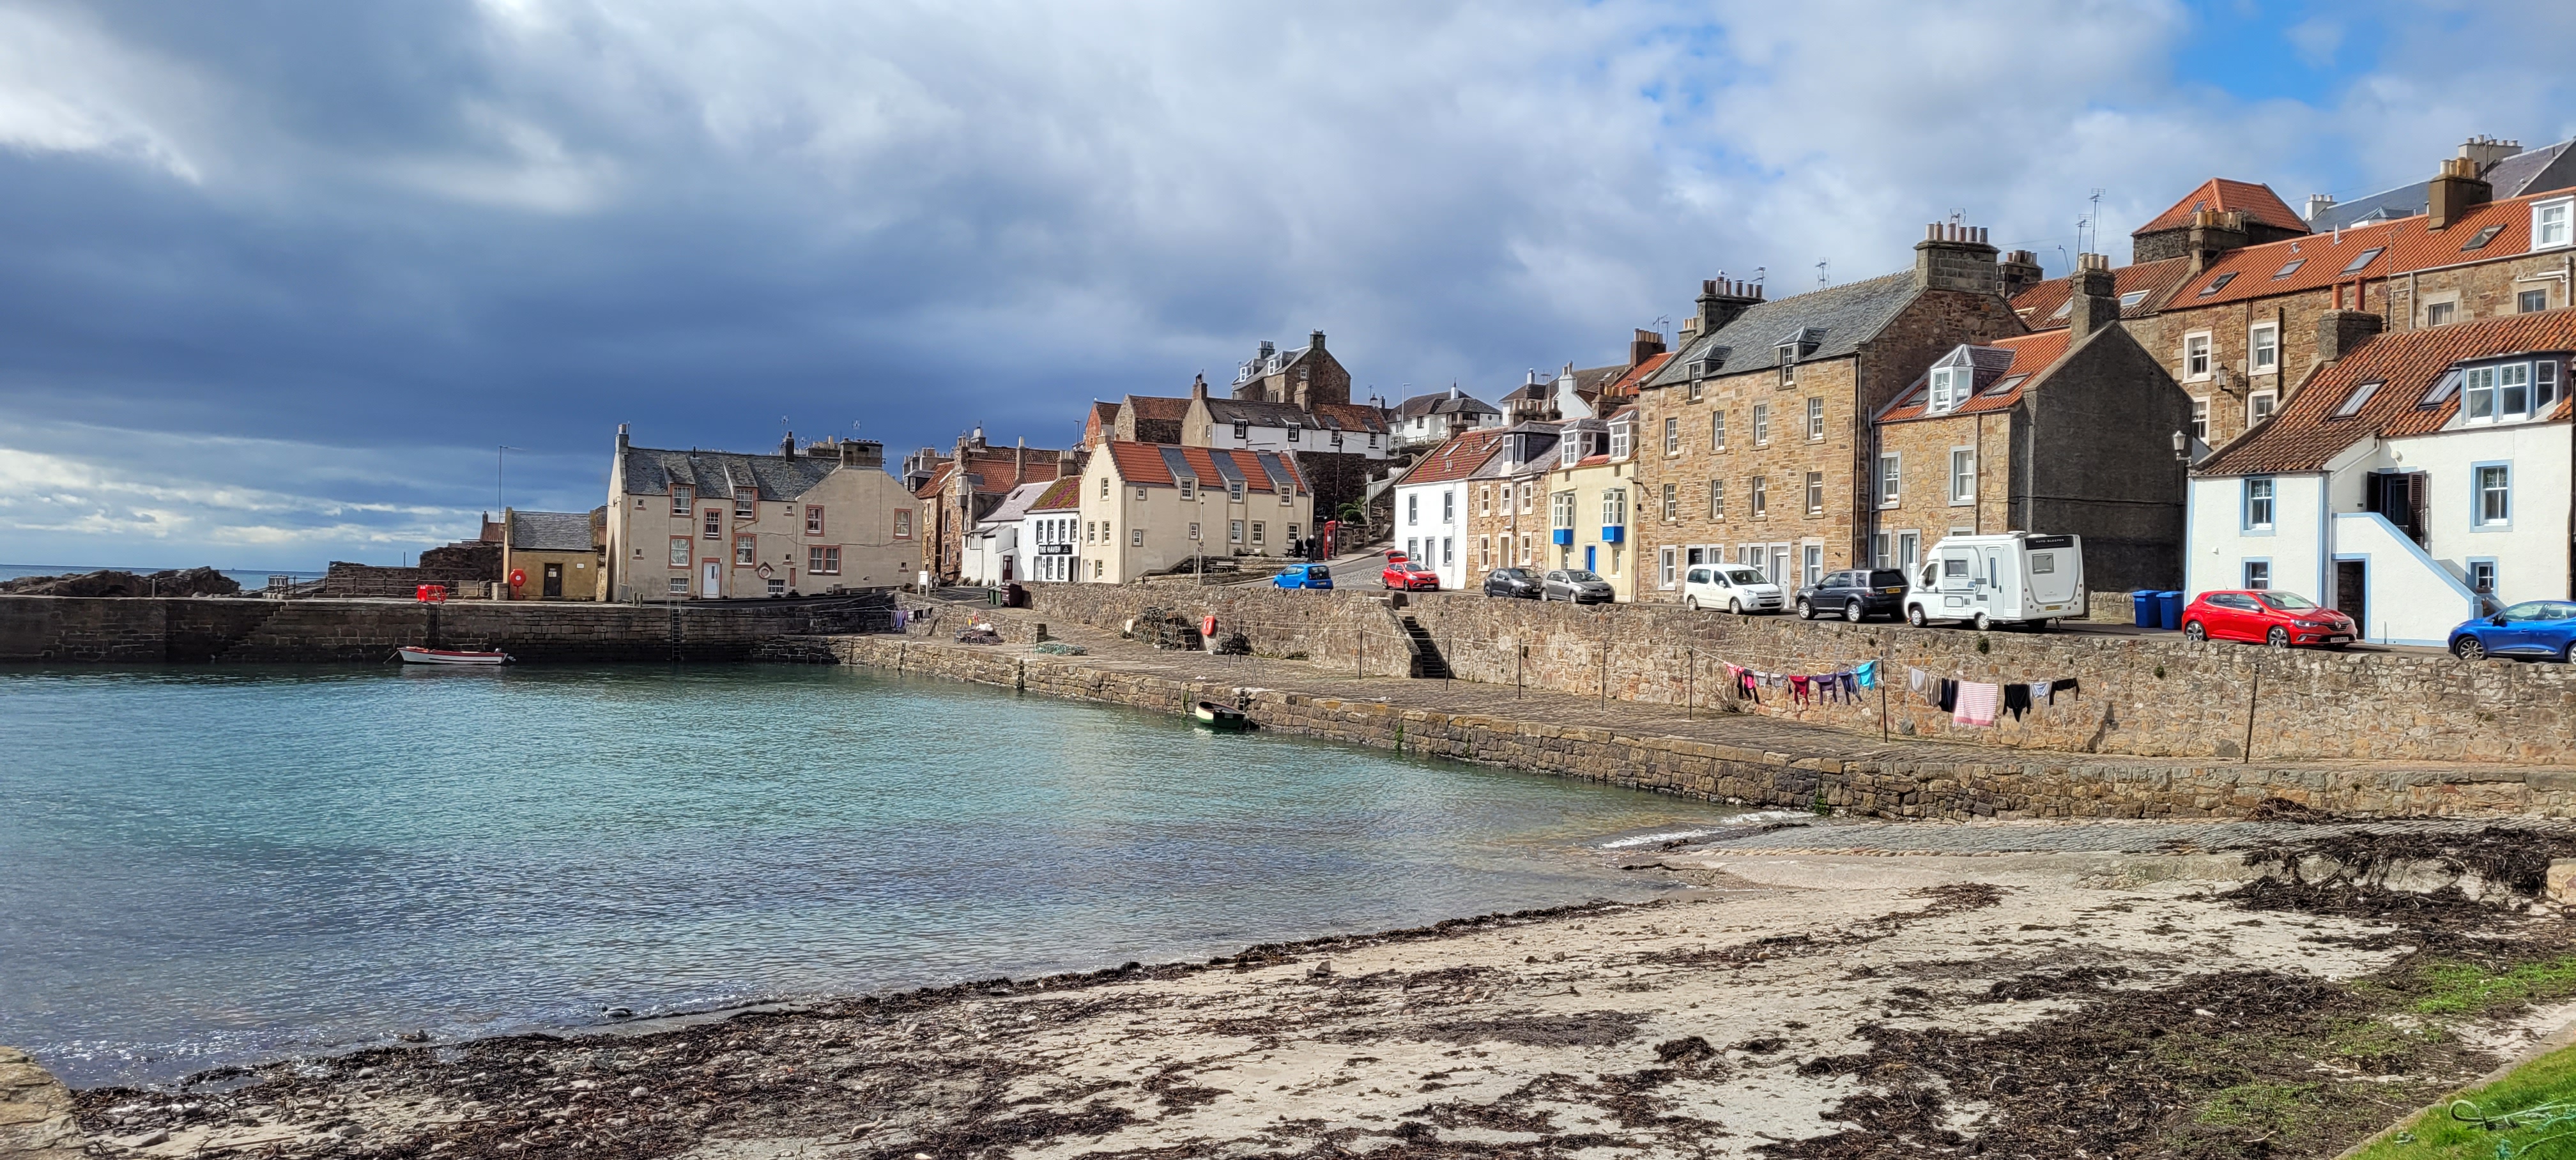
x=1979, y=703
x=1805, y=688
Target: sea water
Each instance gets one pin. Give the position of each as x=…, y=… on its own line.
x=202, y=866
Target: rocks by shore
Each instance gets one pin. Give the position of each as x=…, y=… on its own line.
x=1790, y=1004
x=110, y=582
x=35, y=1112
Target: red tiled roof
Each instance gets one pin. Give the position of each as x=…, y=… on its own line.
x=1455, y=459
x=999, y=469
x=2257, y=202
x=2305, y=434
x=1626, y=387
x=2040, y=305
x=1159, y=406
x=937, y=482
x=2032, y=354
x=1065, y=495
x=2407, y=244
x=1142, y=463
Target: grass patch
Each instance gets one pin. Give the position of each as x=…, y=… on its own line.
x=2438, y=1135
x=2266, y=1107
x=2457, y=988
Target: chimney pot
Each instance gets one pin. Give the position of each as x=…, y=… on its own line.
x=2455, y=191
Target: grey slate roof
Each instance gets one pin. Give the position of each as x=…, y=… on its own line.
x=1450, y=402
x=1260, y=413
x=1837, y=319
x=550, y=531
x=2536, y=171
x=724, y=474
x=1016, y=505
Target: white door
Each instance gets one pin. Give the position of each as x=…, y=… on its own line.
x=713, y=581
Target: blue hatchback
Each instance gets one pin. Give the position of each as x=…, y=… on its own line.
x=2533, y=628
x=1304, y=576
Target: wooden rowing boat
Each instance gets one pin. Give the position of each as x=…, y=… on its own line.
x=443, y=656
x=1216, y=716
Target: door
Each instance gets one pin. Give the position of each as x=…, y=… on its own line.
x=554, y=582
x=712, y=583
x=1006, y=569
x=2352, y=580
x=1590, y=559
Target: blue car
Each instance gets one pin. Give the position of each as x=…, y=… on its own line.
x=2533, y=628
x=1304, y=576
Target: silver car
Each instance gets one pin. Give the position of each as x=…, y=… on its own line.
x=1578, y=585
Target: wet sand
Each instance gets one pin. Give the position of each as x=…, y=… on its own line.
x=1785, y=1004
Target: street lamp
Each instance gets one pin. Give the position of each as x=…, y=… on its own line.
x=2181, y=446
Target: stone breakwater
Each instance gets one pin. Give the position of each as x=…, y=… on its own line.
x=1858, y=778
x=2149, y=696
x=60, y=629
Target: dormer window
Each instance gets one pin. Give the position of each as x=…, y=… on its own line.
x=2507, y=392
x=1949, y=386
x=2550, y=224
x=1619, y=439
x=1571, y=450
x=1788, y=367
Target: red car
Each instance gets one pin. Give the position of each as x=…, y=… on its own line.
x=2269, y=616
x=1407, y=575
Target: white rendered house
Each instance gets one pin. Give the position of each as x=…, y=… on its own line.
x=1431, y=505
x=2422, y=480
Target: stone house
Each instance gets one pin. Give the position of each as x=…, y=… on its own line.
x=2422, y=478
x=558, y=552
x=1150, y=419
x=1301, y=377
x=1429, y=420
x=711, y=525
x=1756, y=435
x=2220, y=215
x=965, y=487
x=1153, y=507
x=1508, y=517
x=2052, y=432
x=1432, y=505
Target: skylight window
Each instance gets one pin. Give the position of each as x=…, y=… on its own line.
x=2360, y=395
x=2442, y=388
x=2005, y=387
x=2480, y=242
x=2130, y=299
x=2220, y=283
x=2062, y=311
x=2367, y=257
x=2289, y=267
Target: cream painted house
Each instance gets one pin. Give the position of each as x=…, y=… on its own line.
x=1591, y=501
x=1149, y=507
x=720, y=525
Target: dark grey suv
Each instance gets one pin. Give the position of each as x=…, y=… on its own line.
x=1854, y=595
x=1511, y=582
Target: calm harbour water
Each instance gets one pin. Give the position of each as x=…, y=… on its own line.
x=220, y=865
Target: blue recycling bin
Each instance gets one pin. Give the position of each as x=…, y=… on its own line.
x=2169, y=610
x=2148, y=611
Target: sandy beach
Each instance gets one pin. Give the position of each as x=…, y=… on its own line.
x=1860, y=995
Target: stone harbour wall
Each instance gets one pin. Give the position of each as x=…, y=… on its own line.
x=2154, y=696
x=1882, y=785
x=200, y=630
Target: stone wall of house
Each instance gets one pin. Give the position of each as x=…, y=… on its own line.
x=464, y=567
x=2158, y=696
x=1880, y=785
x=199, y=630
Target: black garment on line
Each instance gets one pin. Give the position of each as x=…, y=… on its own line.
x=2065, y=686
x=2017, y=699
x=1949, y=695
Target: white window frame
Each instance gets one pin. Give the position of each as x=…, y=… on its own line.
x=1664, y=567
x=2260, y=405
x=1963, y=466
x=2262, y=503
x=1620, y=439
x=1448, y=506
x=1672, y=435
x=2200, y=418
x=1717, y=429
x=2199, y=356
x=1891, y=477
x=1945, y=394
x=2491, y=505
x=2553, y=223
x=1758, y=497
x=1761, y=424
x=2263, y=349
x=1815, y=493
x=1815, y=418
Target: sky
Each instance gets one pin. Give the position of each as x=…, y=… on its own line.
x=279, y=280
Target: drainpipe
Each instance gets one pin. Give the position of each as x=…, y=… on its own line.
x=1977, y=490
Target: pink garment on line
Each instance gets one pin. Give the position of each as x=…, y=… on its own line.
x=1976, y=703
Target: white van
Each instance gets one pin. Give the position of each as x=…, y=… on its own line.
x=2015, y=578
x=1737, y=588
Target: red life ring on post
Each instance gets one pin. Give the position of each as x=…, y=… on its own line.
x=518, y=577
x=1207, y=625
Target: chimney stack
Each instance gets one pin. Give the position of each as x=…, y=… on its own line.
x=1643, y=345
x=1722, y=300
x=2214, y=232
x=2484, y=151
x=1198, y=386
x=1955, y=257
x=2456, y=190
x=2094, y=301
x=2018, y=271
x=2340, y=332
x=1315, y=341
x=787, y=446
x=862, y=453
x=621, y=439
x=2319, y=203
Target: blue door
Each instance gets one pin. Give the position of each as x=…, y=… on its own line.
x=1588, y=550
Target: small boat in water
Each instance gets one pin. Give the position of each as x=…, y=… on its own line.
x=1216, y=716
x=442, y=656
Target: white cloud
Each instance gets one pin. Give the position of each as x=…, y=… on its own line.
x=67, y=88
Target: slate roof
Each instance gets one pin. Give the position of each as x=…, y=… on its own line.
x=1017, y=504
x=1456, y=458
x=1591, y=381
x=2017, y=361
x=2548, y=167
x=2256, y=201
x=1151, y=465
x=1449, y=402
x=2406, y=244
x=1840, y=319
x=2306, y=433
x=724, y=474
x=2043, y=305
x=1542, y=439
x=550, y=531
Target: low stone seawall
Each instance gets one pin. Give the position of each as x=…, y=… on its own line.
x=2159, y=695
x=1883, y=784
x=199, y=630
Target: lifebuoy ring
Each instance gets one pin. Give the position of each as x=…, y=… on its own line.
x=518, y=577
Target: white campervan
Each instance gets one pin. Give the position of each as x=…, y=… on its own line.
x=2015, y=578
